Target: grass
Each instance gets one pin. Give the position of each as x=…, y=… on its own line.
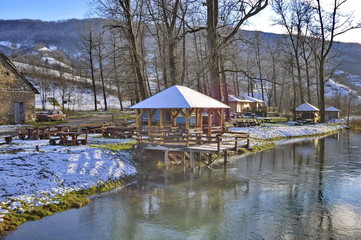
x=74, y=199
x=355, y=124
x=116, y=146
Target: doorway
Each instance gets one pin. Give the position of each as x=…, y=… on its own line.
x=19, y=112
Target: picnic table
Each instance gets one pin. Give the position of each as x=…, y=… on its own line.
x=246, y=123
x=68, y=138
x=265, y=119
x=118, y=131
x=37, y=132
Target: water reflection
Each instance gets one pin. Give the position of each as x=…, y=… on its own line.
x=307, y=190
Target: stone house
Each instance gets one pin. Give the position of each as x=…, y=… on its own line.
x=17, y=94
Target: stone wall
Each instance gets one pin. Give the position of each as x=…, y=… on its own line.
x=14, y=89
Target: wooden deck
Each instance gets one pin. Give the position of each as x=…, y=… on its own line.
x=191, y=141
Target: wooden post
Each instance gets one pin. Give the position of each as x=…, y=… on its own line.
x=225, y=157
x=247, y=140
x=161, y=114
x=187, y=118
x=137, y=120
x=209, y=158
x=222, y=119
x=166, y=155
x=209, y=122
x=191, y=159
x=197, y=120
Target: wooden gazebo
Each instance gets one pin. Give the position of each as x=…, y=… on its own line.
x=180, y=108
x=307, y=112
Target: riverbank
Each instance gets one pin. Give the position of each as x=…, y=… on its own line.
x=58, y=175
x=31, y=179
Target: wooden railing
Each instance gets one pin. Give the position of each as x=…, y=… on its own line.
x=187, y=137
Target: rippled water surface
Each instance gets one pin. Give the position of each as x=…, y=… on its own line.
x=305, y=190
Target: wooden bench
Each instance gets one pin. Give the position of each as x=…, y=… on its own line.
x=54, y=140
x=8, y=139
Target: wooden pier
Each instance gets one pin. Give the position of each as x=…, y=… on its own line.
x=192, y=141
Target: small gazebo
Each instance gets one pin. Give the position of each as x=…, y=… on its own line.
x=332, y=113
x=181, y=107
x=306, y=111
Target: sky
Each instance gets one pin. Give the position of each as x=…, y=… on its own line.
x=46, y=10
x=52, y=10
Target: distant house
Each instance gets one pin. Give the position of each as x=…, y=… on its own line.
x=332, y=113
x=245, y=104
x=238, y=104
x=256, y=104
x=17, y=94
x=307, y=111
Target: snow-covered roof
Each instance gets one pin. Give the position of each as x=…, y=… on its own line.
x=332, y=109
x=252, y=99
x=179, y=97
x=233, y=98
x=306, y=107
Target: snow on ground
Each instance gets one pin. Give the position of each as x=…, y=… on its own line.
x=35, y=177
x=271, y=131
x=51, y=60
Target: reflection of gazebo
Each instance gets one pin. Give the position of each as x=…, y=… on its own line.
x=306, y=111
x=180, y=107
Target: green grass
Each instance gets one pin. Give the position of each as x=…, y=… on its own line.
x=74, y=199
x=355, y=124
x=116, y=146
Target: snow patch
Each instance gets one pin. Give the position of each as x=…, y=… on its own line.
x=37, y=177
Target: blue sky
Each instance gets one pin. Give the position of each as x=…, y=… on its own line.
x=52, y=10
x=47, y=10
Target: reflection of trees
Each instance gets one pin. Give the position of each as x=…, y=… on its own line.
x=324, y=216
x=179, y=201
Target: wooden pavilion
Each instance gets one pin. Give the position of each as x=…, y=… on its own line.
x=332, y=113
x=180, y=107
x=179, y=119
x=307, y=112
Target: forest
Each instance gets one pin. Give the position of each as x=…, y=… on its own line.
x=134, y=49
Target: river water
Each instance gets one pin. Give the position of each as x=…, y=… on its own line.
x=304, y=190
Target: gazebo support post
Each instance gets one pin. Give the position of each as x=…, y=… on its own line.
x=138, y=118
x=149, y=118
x=187, y=118
x=222, y=118
x=191, y=159
x=209, y=122
x=161, y=114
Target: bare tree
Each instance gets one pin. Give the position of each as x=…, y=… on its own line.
x=295, y=16
x=328, y=25
x=88, y=47
x=99, y=47
x=234, y=15
x=123, y=14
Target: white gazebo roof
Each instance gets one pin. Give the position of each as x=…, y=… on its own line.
x=179, y=97
x=306, y=107
x=252, y=99
x=332, y=109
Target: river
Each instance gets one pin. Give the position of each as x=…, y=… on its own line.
x=304, y=190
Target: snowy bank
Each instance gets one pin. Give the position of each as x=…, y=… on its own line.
x=276, y=131
x=35, y=177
